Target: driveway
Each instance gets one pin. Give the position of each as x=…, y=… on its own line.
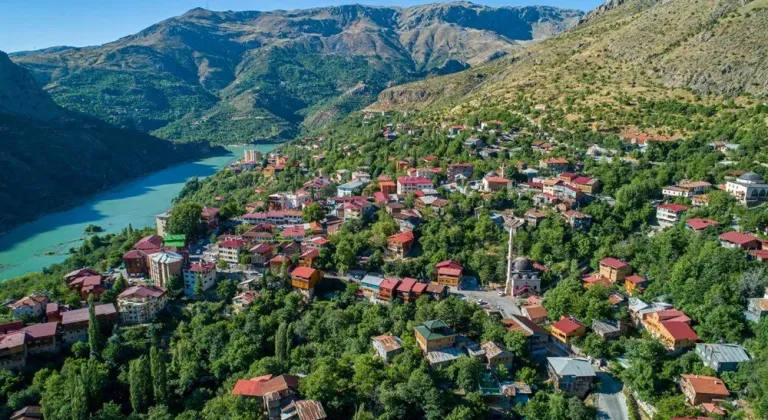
x=611, y=403
x=505, y=304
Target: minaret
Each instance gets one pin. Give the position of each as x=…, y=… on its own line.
x=510, y=253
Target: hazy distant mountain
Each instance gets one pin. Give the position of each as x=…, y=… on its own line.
x=51, y=157
x=232, y=76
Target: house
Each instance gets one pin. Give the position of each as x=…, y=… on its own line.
x=437, y=291
x=13, y=350
x=495, y=183
x=571, y=376
x=410, y=184
x=434, y=335
x=261, y=254
x=387, y=187
x=444, y=357
x=672, y=328
x=140, y=304
x=614, y=269
x=744, y=241
x=303, y=410
x=757, y=308
x=370, y=284
x=350, y=188
x=577, y=220
x=449, y=273
x=308, y=257
x=388, y=289
x=244, y=299
x=669, y=214
x=400, y=244
x=204, y=272
x=304, y=280
x=135, y=261
x=555, y=165
x=496, y=355
x=163, y=265
x=74, y=323
x=749, y=189
x=387, y=346
x=703, y=389
x=586, y=184
x=567, y=328
x=209, y=216
x=230, y=249
x=533, y=217
x=28, y=306
x=536, y=313
x=88, y=285
x=535, y=336
x=30, y=412
x=635, y=284
x=463, y=169
x=721, y=357
x=276, y=393
x=608, y=330
x=698, y=224
x=42, y=338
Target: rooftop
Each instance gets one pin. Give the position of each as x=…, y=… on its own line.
x=568, y=366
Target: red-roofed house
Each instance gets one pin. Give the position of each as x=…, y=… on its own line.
x=635, y=284
x=304, y=280
x=204, y=272
x=567, y=328
x=135, y=262
x=495, y=183
x=404, y=288
x=400, y=244
x=449, y=273
x=410, y=184
x=593, y=279
x=140, y=304
x=703, y=389
x=672, y=327
x=229, y=250
x=387, y=187
x=149, y=244
x=614, y=269
x=308, y=257
x=735, y=239
x=210, y=217
x=698, y=224
x=670, y=213
x=388, y=288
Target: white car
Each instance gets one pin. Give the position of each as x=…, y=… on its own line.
x=480, y=302
x=501, y=293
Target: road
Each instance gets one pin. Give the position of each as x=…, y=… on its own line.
x=611, y=403
x=505, y=304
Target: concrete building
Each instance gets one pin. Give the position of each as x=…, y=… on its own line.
x=163, y=265
x=721, y=357
x=140, y=304
x=74, y=324
x=204, y=271
x=161, y=223
x=669, y=214
x=571, y=376
x=387, y=346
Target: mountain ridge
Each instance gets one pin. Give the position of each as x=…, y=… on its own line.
x=236, y=76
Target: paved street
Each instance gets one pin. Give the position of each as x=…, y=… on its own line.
x=611, y=403
x=505, y=304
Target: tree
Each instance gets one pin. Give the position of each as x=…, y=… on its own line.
x=226, y=290
x=222, y=265
x=175, y=284
x=159, y=377
x=198, y=286
x=280, y=338
x=120, y=284
x=185, y=219
x=139, y=381
x=313, y=213
x=94, y=334
x=467, y=372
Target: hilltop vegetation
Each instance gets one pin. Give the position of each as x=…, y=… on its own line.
x=684, y=53
x=231, y=77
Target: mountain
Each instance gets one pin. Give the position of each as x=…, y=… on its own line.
x=52, y=158
x=234, y=76
x=624, y=53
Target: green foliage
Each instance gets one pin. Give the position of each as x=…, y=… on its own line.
x=185, y=219
x=140, y=383
x=94, y=330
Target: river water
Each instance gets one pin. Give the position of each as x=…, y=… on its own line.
x=37, y=244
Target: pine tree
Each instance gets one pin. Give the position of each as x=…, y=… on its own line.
x=159, y=377
x=282, y=332
x=120, y=284
x=78, y=401
x=94, y=339
x=139, y=381
x=198, y=286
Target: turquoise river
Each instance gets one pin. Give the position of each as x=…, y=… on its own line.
x=37, y=244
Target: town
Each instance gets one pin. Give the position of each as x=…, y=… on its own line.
x=568, y=318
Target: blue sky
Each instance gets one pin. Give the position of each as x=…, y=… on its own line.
x=35, y=24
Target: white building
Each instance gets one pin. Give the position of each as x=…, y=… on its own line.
x=350, y=188
x=229, y=251
x=161, y=223
x=31, y=306
x=204, y=271
x=140, y=304
x=411, y=184
x=669, y=214
x=749, y=189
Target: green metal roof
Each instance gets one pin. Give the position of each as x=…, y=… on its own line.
x=435, y=329
x=178, y=240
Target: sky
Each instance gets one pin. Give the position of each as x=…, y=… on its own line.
x=36, y=24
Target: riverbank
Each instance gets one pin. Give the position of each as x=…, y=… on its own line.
x=37, y=244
